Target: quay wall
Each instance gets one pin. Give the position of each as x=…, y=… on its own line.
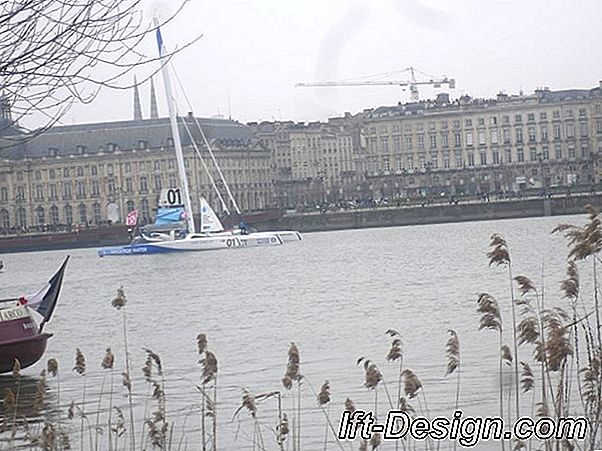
x=438, y=213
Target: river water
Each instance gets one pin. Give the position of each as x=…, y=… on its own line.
x=334, y=294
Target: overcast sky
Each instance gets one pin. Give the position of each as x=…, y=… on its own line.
x=253, y=52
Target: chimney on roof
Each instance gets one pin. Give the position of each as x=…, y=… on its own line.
x=154, y=113
x=137, y=108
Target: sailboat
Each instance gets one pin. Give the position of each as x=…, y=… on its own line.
x=21, y=337
x=181, y=234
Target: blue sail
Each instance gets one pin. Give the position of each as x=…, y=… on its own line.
x=170, y=215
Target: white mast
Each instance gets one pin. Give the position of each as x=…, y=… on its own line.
x=175, y=132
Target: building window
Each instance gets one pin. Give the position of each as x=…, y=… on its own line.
x=496, y=157
x=41, y=215
x=557, y=133
x=157, y=182
x=81, y=189
x=494, y=135
x=558, y=151
x=520, y=155
x=95, y=188
x=386, y=165
x=445, y=140
x=94, y=170
x=482, y=137
x=483, y=158
x=545, y=154
x=128, y=168
x=80, y=171
x=170, y=142
x=83, y=213
x=157, y=165
x=5, y=218
x=468, y=122
x=128, y=185
x=469, y=138
x=459, y=161
x=518, y=118
x=142, y=144
x=110, y=169
x=446, y=162
x=519, y=135
x=582, y=112
x=66, y=190
x=481, y=121
x=505, y=119
x=129, y=205
x=4, y=194
x=471, y=159
x=433, y=141
x=39, y=192
x=457, y=139
x=556, y=114
x=68, y=214
x=570, y=131
x=493, y=120
x=506, y=136
x=584, y=152
x=144, y=210
x=51, y=174
x=531, y=134
x=384, y=144
x=65, y=172
x=96, y=212
x=572, y=152
x=544, y=133
x=54, y=215
x=583, y=130
x=143, y=185
x=533, y=154
x=420, y=142
x=508, y=155
x=531, y=117
x=543, y=116
x=21, y=217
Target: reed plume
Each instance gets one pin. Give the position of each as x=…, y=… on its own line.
x=52, y=366
x=527, y=381
x=375, y=440
x=80, y=362
x=570, y=285
x=209, y=365
x=349, y=405
x=411, y=383
x=506, y=355
x=452, y=351
x=584, y=241
x=372, y=375
x=490, y=318
x=293, y=374
x=17, y=369
x=498, y=255
x=324, y=394
x=120, y=300
x=108, y=360
x=201, y=340
x=557, y=346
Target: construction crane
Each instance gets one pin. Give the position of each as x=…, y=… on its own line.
x=411, y=83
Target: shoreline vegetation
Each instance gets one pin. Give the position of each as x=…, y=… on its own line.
x=562, y=377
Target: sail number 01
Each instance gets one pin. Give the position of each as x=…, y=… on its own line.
x=174, y=197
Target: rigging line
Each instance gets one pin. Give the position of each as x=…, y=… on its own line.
x=198, y=152
x=206, y=141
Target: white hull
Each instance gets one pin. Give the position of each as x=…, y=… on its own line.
x=192, y=243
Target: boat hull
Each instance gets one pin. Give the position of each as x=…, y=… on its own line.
x=28, y=351
x=195, y=244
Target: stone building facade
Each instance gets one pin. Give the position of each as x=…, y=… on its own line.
x=549, y=141
x=93, y=173
x=312, y=163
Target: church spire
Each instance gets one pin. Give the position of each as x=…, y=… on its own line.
x=154, y=114
x=137, y=107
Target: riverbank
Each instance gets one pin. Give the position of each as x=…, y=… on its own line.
x=439, y=213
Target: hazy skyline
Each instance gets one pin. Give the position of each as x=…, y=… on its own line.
x=252, y=54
